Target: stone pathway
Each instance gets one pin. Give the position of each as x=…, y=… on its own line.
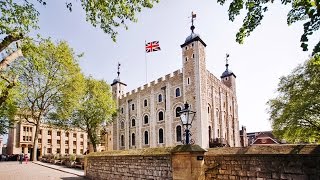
x=12, y=170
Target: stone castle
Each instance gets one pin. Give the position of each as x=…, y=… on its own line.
x=148, y=116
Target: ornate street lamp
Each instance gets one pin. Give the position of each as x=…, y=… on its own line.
x=187, y=116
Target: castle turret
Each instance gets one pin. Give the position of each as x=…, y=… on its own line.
x=228, y=77
x=195, y=84
x=118, y=87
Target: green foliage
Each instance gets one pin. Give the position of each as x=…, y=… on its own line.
x=110, y=14
x=49, y=81
x=96, y=107
x=295, y=113
x=17, y=18
x=302, y=10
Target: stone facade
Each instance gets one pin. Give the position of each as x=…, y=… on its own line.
x=148, y=115
x=50, y=140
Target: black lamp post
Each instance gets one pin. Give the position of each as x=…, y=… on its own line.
x=187, y=116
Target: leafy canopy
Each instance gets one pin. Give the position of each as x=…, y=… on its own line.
x=295, y=113
x=50, y=81
x=17, y=18
x=307, y=11
x=96, y=108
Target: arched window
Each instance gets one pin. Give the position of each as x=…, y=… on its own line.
x=132, y=107
x=146, y=137
x=122, y=110
x=146, y=119
x=209, y=133
x=178, y=133
x=178, y=109
x=122, y=140
x=122, y=125
x=133, y=139
x=160, y=135
x=160, y=116
x=133, y=123
x=177, y=92
x=160, y=98
x=145, y=103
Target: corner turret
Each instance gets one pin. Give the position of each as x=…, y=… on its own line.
x=228, y=77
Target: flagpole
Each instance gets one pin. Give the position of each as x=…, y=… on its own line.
x=145, y=58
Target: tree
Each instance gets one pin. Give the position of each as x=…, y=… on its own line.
x=106, y=14
x=96, y=107
x=50, y=81
x=305, y=10
x=295, y=113
x=16, y=20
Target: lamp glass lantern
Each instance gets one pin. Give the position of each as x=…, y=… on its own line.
x=187, y=116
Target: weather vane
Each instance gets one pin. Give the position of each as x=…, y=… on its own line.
x=118, y=69
x=227, y=59
x=193, y=16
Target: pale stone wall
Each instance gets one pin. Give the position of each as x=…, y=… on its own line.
x=214, y=101
x=19, y=143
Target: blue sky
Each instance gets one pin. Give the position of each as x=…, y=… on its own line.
x=271, y=51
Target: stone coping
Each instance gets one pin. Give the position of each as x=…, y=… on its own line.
x=135, y=152
x=187, y=148
x=266, y=149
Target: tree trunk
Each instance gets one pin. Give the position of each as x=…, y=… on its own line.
x=8, y=40
x=35, y=142
x=7, y=60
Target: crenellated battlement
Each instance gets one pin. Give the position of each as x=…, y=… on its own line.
x=164, y=79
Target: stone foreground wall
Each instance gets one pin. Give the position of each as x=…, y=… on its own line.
x=129, y=167
x=278, y=162
x=151, y=163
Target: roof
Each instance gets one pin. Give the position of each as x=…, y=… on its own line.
x=191, y=38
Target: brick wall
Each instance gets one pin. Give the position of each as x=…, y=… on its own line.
x=263, y=162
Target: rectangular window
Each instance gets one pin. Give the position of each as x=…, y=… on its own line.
x=81, y=135
x=49, y=132
x=58, y=142
x=74, y=142
x=30, y=138
x=58, y=150
x=49, y=150
x=24, y=138
x=66, y=142
x=81, y=143
x=30, y=129
x=67, y=134
x=24, y=128
x=49, y=141
x=81, y=151
x=58, y=133
x=40, y=141
x=74, y=135
x=40, y=132
x=27, y=129
x=74, y=151
x=66, y=151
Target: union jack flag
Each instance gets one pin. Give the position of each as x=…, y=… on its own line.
x=153, y=46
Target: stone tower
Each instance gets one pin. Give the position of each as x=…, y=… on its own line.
x=194, y=84
x=118, y=89
x=228, y=77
